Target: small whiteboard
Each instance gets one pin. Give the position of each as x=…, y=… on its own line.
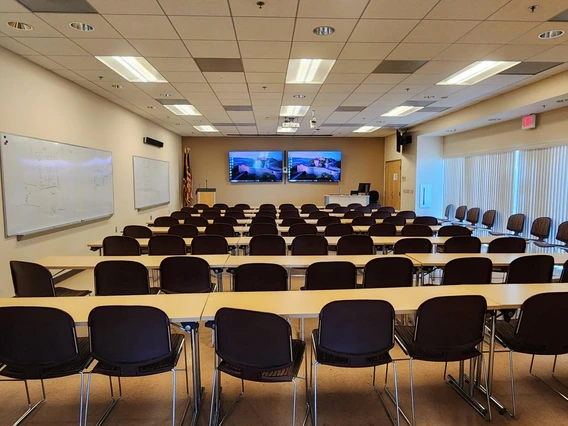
x=48, y=185
x=151, y=182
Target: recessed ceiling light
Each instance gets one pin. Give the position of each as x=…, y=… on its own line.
x=299, y=96
x=366, y=129
x=19, y=25
x=547, y=35
x=117, y=86
x=281, y=129
x=477, y=72
x=132, y=68
x=80, y=26
x=151, y=107
x=165, y=95
x=293, y=110
x=183, y=109
x=308, y=71
x=206, y=129
x=324, y=30
x=401, y=111
x=178, y=124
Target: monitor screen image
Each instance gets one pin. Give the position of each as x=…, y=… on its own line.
x=255, y=166
x=314, y=166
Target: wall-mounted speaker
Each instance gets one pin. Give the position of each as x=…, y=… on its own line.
x=153, y=142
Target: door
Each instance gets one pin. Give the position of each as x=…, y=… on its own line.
x=392, y=184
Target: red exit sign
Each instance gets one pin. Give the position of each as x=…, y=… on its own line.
x=528, y=122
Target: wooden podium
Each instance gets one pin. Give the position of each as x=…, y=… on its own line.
x=206, y=196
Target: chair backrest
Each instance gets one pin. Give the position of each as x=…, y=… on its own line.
x=201, y=206
x=355, y=244
x=507, y=245
x=363, y=209
x=223, y=229
x=121, y=277
x=117, y=245
x=242, y=206
x=452, y=325
x=374, y=206
x=448, y=211
x=309, y=245
x=166, y=221
x=340, y=209
x=381, y=214
x=220, y=206
x=453, y=231
x=388, y=271
x=235, y=213
x=260, y=277
x=318, y=215
x=564, y=273
x=263, y=213
x=302, y=229
x=191, y=210
x=332, y=206
x=331, y=276
x=425, y=220
x=353, y=214
x=128, y=337
x=263, y=219
x=460, y=213
x=209, y=244
x=184, y=231
x=199, y=222
x=292, y=221
x=395, y=220
x=167, y=244
x=287, y=206
x=468, y=270
x=472, y=215
x=488, y=218
x=353, y=206
x=180, y=215
x=462, y=244
x=228, y=220
x=363, y=221
x=531, y=269
x=338, y=229
x=373, y=196
x=137, y=231
x=516, y=223
x=31, y=279
x=540, y=228
x=269, y=245
x=407, y=214
x=262, y=229
x=309, y=208
x=185, y=274
x=34, y=338
x=284, y=214
x=382, y=230
x=413, y=245
x=562, y=233
x=389, y=209
x=413, y=230
x=328, y=220
x=267, y=207
x=357, y=329
x=210, y=214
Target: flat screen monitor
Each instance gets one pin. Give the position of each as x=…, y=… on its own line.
x=314, y=166
x=364, y=188
x=255, y=166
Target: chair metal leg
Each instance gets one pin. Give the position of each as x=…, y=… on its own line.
x=513, y=406
x=233, y=405
x=294, y=404
x=315, y=389
x=82, y=389
x=547, y=384
x=173, y=397
x=394, y=398
x=214, y=413
x=113, y=402
x=31, y=408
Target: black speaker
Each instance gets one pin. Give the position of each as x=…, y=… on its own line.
x=154, y=142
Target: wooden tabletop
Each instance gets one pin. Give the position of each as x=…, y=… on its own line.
x=89, y=262
x=232, y=241
x=302, y=261
x=201, y=229
x=498, y=259
x=239, y=221
x=512, y=296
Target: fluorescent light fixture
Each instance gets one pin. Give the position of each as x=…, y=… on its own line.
x=366, y=129
x=401, y=111
x=293, y=110
x=132, y=68
x=308, y=71
x=281, y=129
x=477, y=72
x=183, y=109
x=206, y=129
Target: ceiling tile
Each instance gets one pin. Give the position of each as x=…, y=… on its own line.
x=361, y=99
x=516, y=52
x=159, y=90
x=219, y=64
x=173, y=64
x=60, y=21
x=497, y=32
x=16, y=47
x=95, y=75
x=398, y=67
x=79, y=62
x=354, y=67
x=367, y=51
x=11, y=6
x=335, y=9
x=531, y=37
x=161, y=48
x=442, y=67
x=264, y=49
x=265, y=65
x=382, y=30
x=466, y=9
x=183, y=77
x=270, y=29
x=143, y=26
x=107, y=47
x=530, y=68
x=53, y=46
x=266, y=77
x=212, y=49
x=373, y=88
x=46, y=62
x=127, y=7
x=193, y=87
x=255, y=97
x=230, y=87
x=411, y=89
x=439, y=31
x=416, y=51
x=305, y=26
x=557, y=53
x=425, y=79
x=301, y=49
x=385, y=78
x=196, y=7
x=203, y=27
x=302, y=88
x=332, y=100
x=243, y=97
x=225, y=77
x=345, y=78
x=70, y=75
x=266, y=87
x=400, y=9
x=275, y=8
x=338, y=88
x=518, y=10
x=125, y=87
x=466, y=52
x=241, y=116
x=41, y=28
x=204, y=98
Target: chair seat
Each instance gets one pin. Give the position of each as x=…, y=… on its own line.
x=68, y=368
x=162, y=366
x=405, y=336
x=67, y=292
x=505, y=332
x=282, y=375
x=327, y=358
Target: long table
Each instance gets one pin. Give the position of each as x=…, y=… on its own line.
x=232, y=241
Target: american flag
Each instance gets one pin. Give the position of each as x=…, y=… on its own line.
x=187, y=179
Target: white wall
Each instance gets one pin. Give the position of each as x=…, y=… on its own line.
x=38, y=103
x=430, y=171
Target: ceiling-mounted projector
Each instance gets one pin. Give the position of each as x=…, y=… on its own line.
x=289, y=122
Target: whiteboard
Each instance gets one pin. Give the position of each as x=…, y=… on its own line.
x=151, y=182
x=47, y=185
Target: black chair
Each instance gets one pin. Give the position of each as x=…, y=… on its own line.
x=285, y=214
x=137, y=231
x=468, y=270
x=374, y=206
x=472, y=216
x=461, y=211
x=373, y=197
x=535, y=333
x=221, y=206
x=222, y=229
x=382, y=230
x=338, y=230
x=355, y=334
x=381, y=214
x=448, y=212
x=267, y=245
x=340, y=209
x=353, y=214
x=309, y=208
x=407, y=214
x=425, y=220
x=235, y=213
x=242, y=206
x=355, y=244
x=185, y=274
x=318, y=215
x=447, y=329
x=184, y=231
x=34, y=280
x=199, y=222
x=540, y=229
x=331, y=276
x=165, y=221
x=180, y=215
x=227, y=220
x=507, y=245
x=164, y=245
x=363, y=221
x=488, y=220
x=416, y=231
x=462, y=245
x=191, y=210
x=561, y=235
x=413, y=245
x=260, y=277
x=292, y=221
x=263, y=219
x=262, y=229
x=389, y=209
x=38, y=343
x=531, y=269
x=133, y=341
x=263, y=213
x=388, y=271
x=453, y=231
x=117, y=245
x=305, y=245
x=267, y=207
x=121, y=277
x=210, y=214
x=515, y=224
x=564, y=274
x=209, y=244
x=201, y=206
x=353, y=206
x=395, y=220
x=302, y=229
x=363, y=209
x=253, y=346
x=331, y=206
x=287, y=206
x=328, y=220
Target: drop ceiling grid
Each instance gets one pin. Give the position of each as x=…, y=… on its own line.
x=434, y=30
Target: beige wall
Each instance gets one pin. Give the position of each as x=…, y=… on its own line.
x=362, y=161
x=407, y=170
x=39, y=103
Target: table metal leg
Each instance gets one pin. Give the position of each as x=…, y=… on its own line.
x=198, y=390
